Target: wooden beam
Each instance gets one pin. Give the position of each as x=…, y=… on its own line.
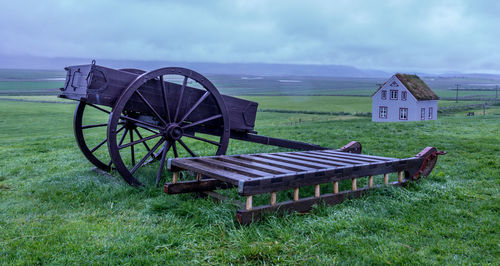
x=317, y=191
x=273, y=198
x=296, y=194
x=386, y=179
x=304, y=204
x=175, y=177
x=335, y=187
x=248, y=203
x=370, y=181
x=354, y=185
x=400, y=176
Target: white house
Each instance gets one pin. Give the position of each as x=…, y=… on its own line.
x=404, y=97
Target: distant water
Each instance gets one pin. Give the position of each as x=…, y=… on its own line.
x=289, y=80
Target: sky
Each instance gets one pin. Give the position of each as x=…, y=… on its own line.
x=427, y=36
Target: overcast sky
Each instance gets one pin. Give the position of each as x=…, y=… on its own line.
x=400, y=35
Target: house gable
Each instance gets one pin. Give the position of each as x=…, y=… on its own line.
x=393, y=83
x=412, y=83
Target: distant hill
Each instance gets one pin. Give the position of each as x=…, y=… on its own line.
x=247, y=69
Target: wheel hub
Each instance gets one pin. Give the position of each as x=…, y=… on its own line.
x=173, y=131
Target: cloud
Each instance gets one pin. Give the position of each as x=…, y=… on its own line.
x=389, y=35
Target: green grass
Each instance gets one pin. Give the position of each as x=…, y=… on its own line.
x=54, y=209
x=347, y=104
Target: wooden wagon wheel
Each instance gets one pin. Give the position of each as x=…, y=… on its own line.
x=168, y=120
x=98, y=128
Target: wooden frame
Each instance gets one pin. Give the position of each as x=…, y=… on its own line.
x=269, y=173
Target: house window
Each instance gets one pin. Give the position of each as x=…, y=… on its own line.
x=384, y=95
x=422, y=113
x=382, y=112
x=394, y=94
x=403, y=96
x=403, y=113
x=430, y=112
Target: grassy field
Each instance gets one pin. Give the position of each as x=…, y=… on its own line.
x=55, y=209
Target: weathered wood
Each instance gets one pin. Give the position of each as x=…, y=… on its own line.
x=336, y=159
x=208, y=171
x=294, y=161
x=103, y=86
x=254, y=165
x=400, y=176
x=302, y=205
x=335, y=187
x=296, y=194
x=279, y=164
x=273, y=198
x=354, y=185
x=321, y=176
x=386, y=178
x=329, y=163
x=316, y=191
x=370, y=181
x=248, y=203
x=355, y=155
x=338, y=156
x=234, y=168
x=175, y=176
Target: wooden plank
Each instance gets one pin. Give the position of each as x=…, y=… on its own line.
x=302, y=205
x=343, y=157
x=257, y=166
x=361, y=155
x=292, y=167
x=336, y=160
x=314, y=160
x=321, y=176
x=208, y=171
x=295, y=161
x=233, y=167
x=195, y=186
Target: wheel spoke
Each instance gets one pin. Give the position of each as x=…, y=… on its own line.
x=147, y=155
x=140, y=122
x=99, y=145
x=174, y=148
x=132, y=153
x=99, y=108
x=145, y=128
x=123, y=137
x=96, y=125
x=165, y=102
x=202, y=139
x=148, y=104
x=104, y=141
x=205, y=95
x=140, y=137
x=187, y=148
x=180, y=98
x=166, y=147
x=201, y=121
x=132, y=143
